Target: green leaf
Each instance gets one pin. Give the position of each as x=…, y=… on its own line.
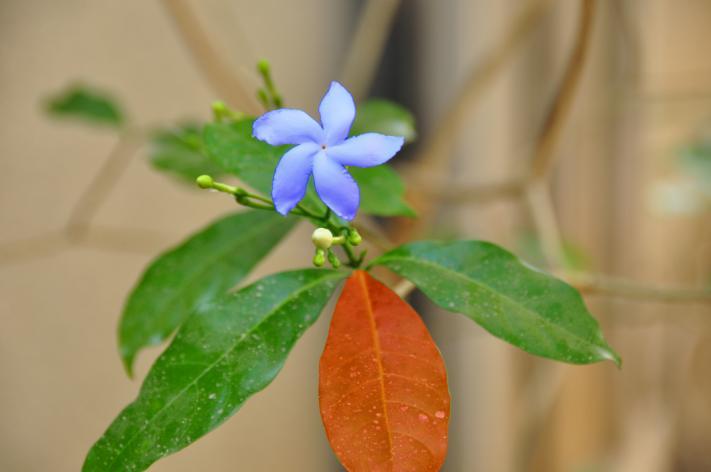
x=385, y=117
x=83, y=103
x=232, y=147
x=695, y=160
x=180, y=153
x=381, y=191
x=187, y=277
x=513, y=301
x=219, y=358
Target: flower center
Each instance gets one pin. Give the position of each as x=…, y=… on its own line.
x=323, y=146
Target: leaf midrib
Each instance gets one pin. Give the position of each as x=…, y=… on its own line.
x=490, y=290
x=190, y=280
x=239, y=340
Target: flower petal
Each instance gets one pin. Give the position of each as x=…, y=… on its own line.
x=287, y=126
x=292, y=176
x=337, y=111
x=336, y=187
x=366, y=150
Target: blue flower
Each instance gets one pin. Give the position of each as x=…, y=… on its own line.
x=322, y=150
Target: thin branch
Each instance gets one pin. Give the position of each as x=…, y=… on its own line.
x=482, y=193
x=368, y=45
x=598, y=284
x=544, y=154
x=101, y=186
x=36, y=247
x=404, y=287
x=223, y=80
x=437, y=147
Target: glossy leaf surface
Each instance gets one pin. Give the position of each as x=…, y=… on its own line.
x=179, y=152
x=382, y=383
x=83, y=103
x=513, y=301
x=192, y=274
x=385, y=117
x=381, y=191
x=219, y=358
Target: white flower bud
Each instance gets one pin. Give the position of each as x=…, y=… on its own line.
x=322, y=238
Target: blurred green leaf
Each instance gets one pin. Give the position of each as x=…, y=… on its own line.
x=83, y=103
x=187, y=277
x=381, y=191
x=232, y=147
x=515, y=302
x=180, y=152
x=220, y=357
x=385, y=117
x=696, y=162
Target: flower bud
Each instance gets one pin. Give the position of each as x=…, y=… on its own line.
x=354, y=237
x=319, y=258
x=205, y=181
x=333, y=259
x=322, y=238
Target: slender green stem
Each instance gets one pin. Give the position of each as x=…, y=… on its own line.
x=353, y=261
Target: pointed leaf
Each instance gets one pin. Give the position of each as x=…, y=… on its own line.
x=179, y=152
x=383, y=385
x=513, y=301
x=385, y=117
x=192, y=274
x=381, y=191
x=218, y=359
x=83, y=103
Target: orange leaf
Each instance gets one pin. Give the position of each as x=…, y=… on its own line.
x=382, y=383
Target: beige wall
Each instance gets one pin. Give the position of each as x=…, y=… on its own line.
x=645, y=90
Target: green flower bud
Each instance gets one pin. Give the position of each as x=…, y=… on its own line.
x=205, y=181
x=354, y=237
x=263, y=67
x=319, y=258
x=335, y=262
x=322, y=238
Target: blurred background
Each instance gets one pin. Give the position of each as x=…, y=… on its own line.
x=604, y=99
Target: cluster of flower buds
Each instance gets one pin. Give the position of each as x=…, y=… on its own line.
x=324, y=240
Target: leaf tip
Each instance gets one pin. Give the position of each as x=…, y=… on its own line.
x=127, y=361
x=607, y=353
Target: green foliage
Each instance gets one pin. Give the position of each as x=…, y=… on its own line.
x=381, y=191
x=219, y=358
x=529, y=309
x=695, y=160
x=385, y=117
x=189, y=276
x=232, y=147
x=179, y=152
x=84, y=103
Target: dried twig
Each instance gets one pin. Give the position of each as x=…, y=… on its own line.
x=101, y=186
x=544, y=154
x=482, y=193
x=437, y=147
x=599, y=284
x=367, y=46
x=223, y=80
